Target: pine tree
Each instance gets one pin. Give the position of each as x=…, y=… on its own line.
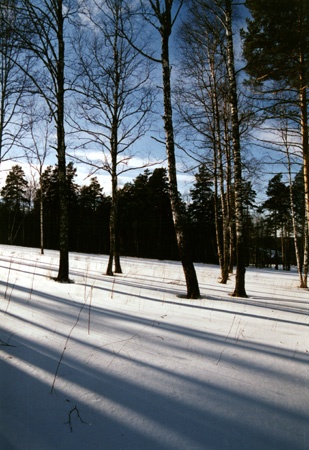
x=278, y=204
x=14, y=194
x=201, y=211
x=92, y=218
x=202, y=206
x=50, y=192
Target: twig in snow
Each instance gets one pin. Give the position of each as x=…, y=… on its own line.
x=220, y=357
x=32, y=284
x=226, y=338
x=112, y=291
x=7, y=343
x=125, y=342
x=89, y=310
x=65, y=347
x=69, y=422
x=90, y=296
x=8, y=278
x=10, y=296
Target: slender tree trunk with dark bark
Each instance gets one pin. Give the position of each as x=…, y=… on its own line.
x=63, y=272
x=193, y=291
x=41, y=220
x=221, y=232
x=113, y=221
x=239, y=290
x=114, y=256
x=305, y=148
x=303, y=100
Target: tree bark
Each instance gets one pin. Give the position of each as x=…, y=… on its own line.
x=113, y=221
x=223, y=236
x=294, y=223
x=114, y=256
x=305, y=148
x=63, y=272
x=239, y=290
x=41, y=219
x=193, y=291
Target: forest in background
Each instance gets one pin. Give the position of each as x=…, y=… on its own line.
x=145, y=218
x=214, y=80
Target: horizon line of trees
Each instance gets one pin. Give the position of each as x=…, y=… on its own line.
x=30, y=217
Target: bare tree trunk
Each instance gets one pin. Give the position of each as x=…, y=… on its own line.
x=63, y=272
x=223, y=237
x=239, y=290
x=193, y=291
x=41, y=221
x=305, y=148
x=293, y=214
x=109, y=269
x=113, y=223
x=303, y=85
x=219, y=236
x=229, y=223
x=306, y=254
x=113, y=232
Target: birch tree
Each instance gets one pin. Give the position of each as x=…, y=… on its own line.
x=216, y=94
x=239, y=290
x=43, y=36
x=204, y=109
x=37, y=148
x=162, y=14
x=12, y=79
x=115, y=98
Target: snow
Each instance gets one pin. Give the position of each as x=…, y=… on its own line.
x=125, y=362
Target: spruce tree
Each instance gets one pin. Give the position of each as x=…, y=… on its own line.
x=16, y=201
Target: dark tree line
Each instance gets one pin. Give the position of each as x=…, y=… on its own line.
x=145, y=218
x=146, y=227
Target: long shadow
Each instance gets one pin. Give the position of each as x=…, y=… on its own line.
x=265, y=303
x=106, y=319
x=126, y=282
x=129, y=281
x=223, y=418
x=54, y=300
x=112, y=322
x=196, y=411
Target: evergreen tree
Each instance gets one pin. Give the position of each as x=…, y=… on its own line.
x=91, y=196
x=14, y=192
x=202, y=217
x=201, y=207
x=278, y=204
x=50, y=191
x=16, y=201
x=146, y=225
x=92, y=223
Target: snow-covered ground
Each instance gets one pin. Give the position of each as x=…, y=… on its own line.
x=126, y=363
